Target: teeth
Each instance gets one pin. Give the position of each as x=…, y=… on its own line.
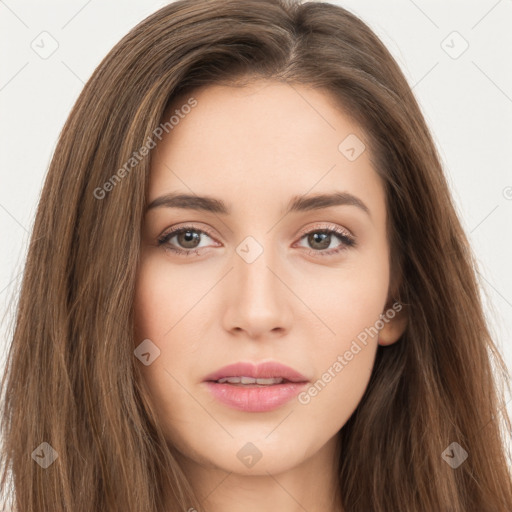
x=250, y=380
x=277, y=380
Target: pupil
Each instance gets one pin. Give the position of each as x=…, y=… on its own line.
x=189, y=236
x=324, y=239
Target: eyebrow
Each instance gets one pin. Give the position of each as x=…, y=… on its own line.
x=296, y=203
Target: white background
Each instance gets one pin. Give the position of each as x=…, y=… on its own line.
x=467, y=102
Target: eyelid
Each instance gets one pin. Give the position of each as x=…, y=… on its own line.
x=303, y=231
x=184, y=226
x=327, y=226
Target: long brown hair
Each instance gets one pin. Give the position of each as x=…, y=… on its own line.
x=72, y=380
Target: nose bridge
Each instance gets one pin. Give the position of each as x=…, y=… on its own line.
x=254, y=259
x=258, y=301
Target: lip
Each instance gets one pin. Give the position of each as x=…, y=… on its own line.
x=252, y=398
x=265, y=370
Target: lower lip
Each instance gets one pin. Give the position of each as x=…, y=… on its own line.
x=253, y=398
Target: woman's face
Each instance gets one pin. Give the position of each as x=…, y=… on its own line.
x=257, y=280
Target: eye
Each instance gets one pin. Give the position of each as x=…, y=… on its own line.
x=188, y=240
x=320, y=240
x=188, y=237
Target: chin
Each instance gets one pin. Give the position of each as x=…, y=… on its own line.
x=255, y=455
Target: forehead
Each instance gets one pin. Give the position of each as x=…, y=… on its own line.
x=260, y=142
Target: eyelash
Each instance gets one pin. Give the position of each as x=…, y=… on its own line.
x=347, y=241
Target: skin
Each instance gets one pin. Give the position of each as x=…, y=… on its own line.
x=255, y=147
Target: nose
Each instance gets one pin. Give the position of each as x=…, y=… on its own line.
x=259, y=301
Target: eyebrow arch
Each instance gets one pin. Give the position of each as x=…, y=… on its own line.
x=217, y=206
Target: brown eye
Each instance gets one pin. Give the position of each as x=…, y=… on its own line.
x=187, y=240
x=319, y=240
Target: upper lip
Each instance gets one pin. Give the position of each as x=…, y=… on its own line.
x=265, y=370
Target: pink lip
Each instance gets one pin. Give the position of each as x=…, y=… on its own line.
x=259, y=371
x=252, y=398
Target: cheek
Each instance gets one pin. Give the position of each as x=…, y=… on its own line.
x=166, y=305
x=343, y=348
x=163, y=295
x=348, y=300
x=161, y=301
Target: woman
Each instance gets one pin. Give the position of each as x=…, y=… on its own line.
x=248, y=287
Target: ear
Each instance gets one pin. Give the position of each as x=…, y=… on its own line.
x=395, y=320
x=396, y=314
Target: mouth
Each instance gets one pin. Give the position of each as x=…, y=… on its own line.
x=264, y=374
x=255, y=388
x=250, y=381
